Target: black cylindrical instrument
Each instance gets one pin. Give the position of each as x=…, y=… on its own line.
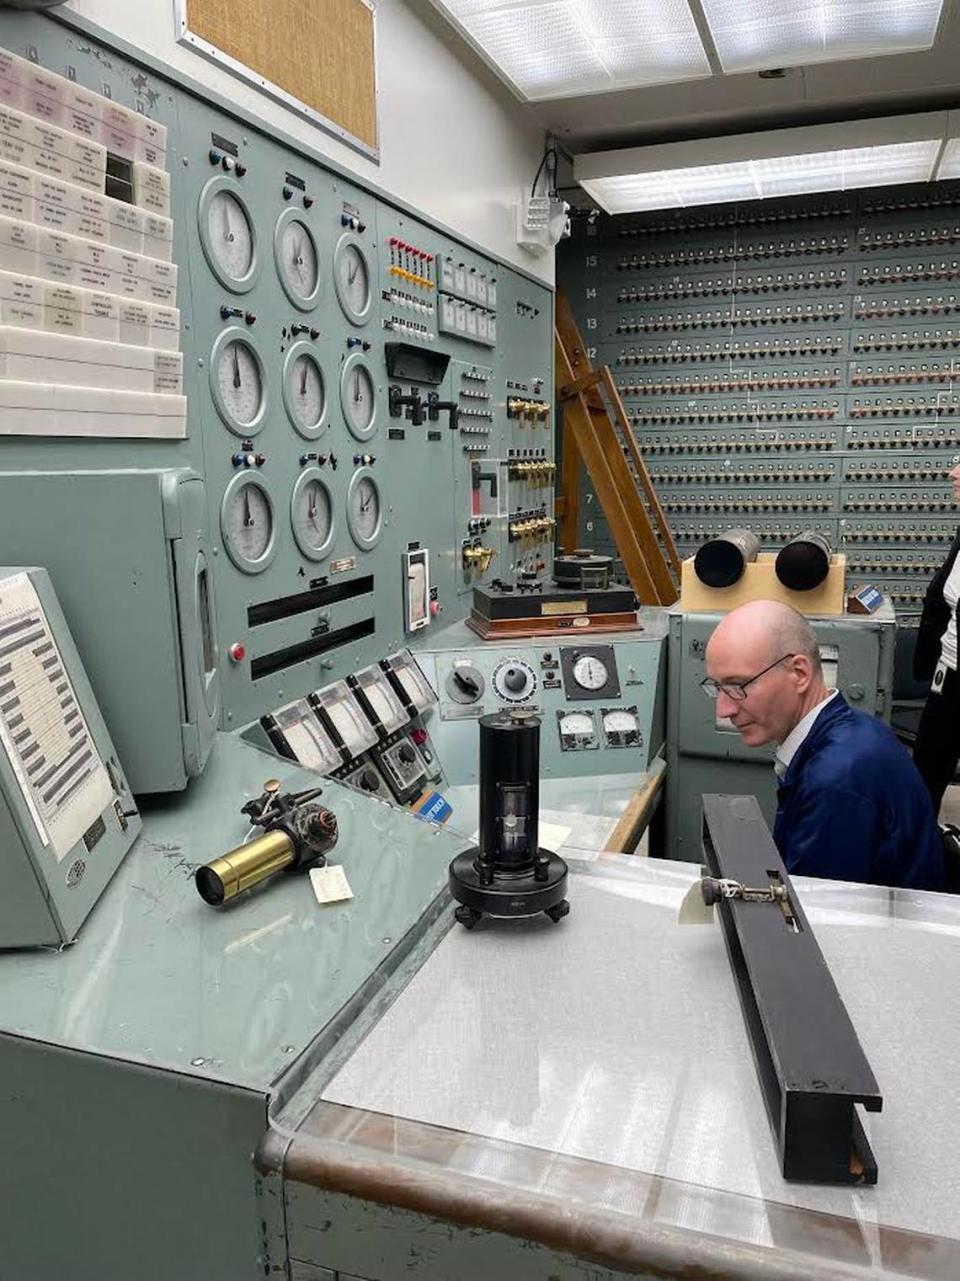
x=508, y=874
x=804, y=562
x=721, y=561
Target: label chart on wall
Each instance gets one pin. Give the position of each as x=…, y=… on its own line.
x=63, y=780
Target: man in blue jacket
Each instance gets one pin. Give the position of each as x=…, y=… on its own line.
x=850, y=804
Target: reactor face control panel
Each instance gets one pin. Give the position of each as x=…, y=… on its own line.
x=351, y=386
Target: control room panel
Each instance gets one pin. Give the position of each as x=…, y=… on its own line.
x=357, y=405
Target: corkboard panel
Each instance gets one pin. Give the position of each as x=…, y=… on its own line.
x=320, y=52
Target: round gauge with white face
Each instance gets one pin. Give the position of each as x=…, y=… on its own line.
x=621, y=727
x=227, y=235
x=590, y=672
x=311, y=514
x=358, y=398
x=304, y=390
x=237, y=382
x=351, y=278
x=364, y=509
x=297, y=259
x=247, y=524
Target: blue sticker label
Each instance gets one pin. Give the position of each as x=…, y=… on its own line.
x=432, y=808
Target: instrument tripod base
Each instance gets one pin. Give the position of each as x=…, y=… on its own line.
x=509, y=894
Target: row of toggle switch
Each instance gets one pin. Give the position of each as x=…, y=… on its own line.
x=909, y=237
x=864, y=375
x=785, y=380
x=753, y=216
x=905, y=305
x=744, y=412
x=783, y=282
x=822, y=345
x=893, y=273
x=734, y=317
x=745, y=505
x=733, y=251
x=908, y=340
x=911, y=407
x=771, y=476
x=753, y=444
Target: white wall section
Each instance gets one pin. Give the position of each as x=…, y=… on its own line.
x=453, y=142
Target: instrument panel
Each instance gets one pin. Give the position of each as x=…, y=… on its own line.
x=594, y=700
x=285, y=300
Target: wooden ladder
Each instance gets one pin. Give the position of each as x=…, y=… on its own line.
x=597, y=431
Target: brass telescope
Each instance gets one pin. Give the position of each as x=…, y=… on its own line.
x=299, y=834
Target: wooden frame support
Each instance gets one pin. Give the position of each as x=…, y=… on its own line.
x=597, y=431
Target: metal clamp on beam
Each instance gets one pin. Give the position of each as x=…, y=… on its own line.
x=811, y=1066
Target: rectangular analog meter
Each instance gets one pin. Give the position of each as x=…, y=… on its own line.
x=417, y=690
x=337, y=703
x=386, y=707
x=309, y=741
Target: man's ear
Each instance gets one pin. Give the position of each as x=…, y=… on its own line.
x=803, y=669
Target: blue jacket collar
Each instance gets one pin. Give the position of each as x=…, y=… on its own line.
x=837, y=709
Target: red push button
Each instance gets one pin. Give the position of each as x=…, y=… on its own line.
x=237, y=652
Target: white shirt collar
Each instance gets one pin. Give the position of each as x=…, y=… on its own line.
x=788, y=749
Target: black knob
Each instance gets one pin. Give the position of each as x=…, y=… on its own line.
x=369, y=781
x=407, y=754
x=515, y=680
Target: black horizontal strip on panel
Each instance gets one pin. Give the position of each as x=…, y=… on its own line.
x=290, y=655
x=271, y=611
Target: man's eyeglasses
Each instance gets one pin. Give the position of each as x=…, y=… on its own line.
x=737, y=690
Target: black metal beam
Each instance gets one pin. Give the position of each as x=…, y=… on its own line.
x=811, y=1066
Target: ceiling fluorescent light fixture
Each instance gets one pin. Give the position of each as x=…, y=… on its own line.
x=782, y=162
x=753, y=35
x=568, y=48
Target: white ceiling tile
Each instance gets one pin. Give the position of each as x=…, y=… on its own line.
x=751, y=35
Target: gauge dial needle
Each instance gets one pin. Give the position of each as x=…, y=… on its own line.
x=247, y=518
x=298, y=258
x=352, y=275
x=365, y=502
x=227, y=233
x=312, y=512
x=236, y=369
x=303, y=380
x=357, y=394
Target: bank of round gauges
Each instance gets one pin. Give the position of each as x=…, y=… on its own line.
x=304, y=390
x=297, y=260
x=228, y=235
x=358, y=397
x=238, y=382
x=311, y=514
x=364, y=509
x=247, y=523
x=578, y=729
x=352, y=278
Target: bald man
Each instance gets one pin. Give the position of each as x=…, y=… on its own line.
x=851, y=805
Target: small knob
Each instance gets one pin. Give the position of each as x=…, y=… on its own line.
x=308, y=202
x=369, y=781
x=515, y=680
x=287, y=193
x=407, y=754
x=239, y=169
